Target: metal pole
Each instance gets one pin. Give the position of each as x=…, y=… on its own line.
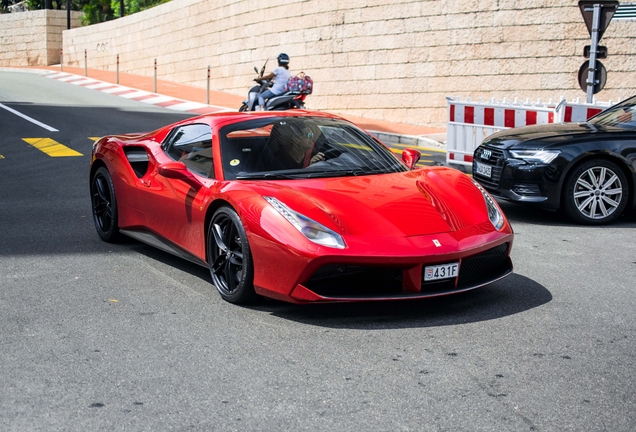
x=155, y=75
x=591, y=74
x=207, y=99
x=61, y=59
x=68, y=14
x=85, y=67
x=117, y=75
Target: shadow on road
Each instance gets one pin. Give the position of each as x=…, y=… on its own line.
x=513, y=295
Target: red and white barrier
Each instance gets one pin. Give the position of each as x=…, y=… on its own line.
x=469, y=122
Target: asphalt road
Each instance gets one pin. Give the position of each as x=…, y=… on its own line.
x=96, y=336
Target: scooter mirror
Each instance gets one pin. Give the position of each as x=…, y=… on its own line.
x=255, y=70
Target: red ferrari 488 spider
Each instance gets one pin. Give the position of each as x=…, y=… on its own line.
x=299, y=206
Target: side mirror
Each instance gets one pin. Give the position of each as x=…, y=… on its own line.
x=255, y=70
x=178, y=171
x=174, y=170
x=410, y=157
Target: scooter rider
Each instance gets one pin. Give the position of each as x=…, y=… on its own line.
x=280, y=75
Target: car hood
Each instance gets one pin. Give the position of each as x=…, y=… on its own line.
x=546, y=135
x=425, y=201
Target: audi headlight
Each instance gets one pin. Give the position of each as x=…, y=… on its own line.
x=535, y=156
x=494, y=213
x=311, y=229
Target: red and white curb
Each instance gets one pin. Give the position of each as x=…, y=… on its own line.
x=134, y=94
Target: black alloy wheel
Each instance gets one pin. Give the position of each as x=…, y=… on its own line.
x=104, y=206
x=229, y=256
x=596, y=193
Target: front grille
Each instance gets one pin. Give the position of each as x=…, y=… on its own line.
x=484, y=267
x=343, y=280
x=368, y=281
x=496, y=161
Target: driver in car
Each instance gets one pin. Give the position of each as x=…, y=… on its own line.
x=297, y=145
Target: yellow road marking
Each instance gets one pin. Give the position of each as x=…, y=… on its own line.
x=94, y=138
x=1, y=157
x=397, y=151
x=430, y=149
x=51, y=147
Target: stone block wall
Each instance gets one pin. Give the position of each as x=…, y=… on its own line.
x=33, y=38
x=392, y=60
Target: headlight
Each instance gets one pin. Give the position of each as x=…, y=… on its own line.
x=311, y=229
x=494, y=213
x=535, y=156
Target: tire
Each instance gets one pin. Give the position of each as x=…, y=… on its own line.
x=104, y=203
x=243, y=108
x=229, y=257
x=596, y=193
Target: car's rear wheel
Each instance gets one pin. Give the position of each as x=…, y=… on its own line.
x=230, y=258
x=596, y=193
x=104, y=204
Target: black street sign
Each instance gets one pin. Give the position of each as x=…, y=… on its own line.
x=608, y=8
x=601, y=51
x=600, y=77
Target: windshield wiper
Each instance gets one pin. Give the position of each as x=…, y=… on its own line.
x=266, y=176
x=345, y=173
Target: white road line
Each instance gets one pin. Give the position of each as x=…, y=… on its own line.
x=54, y=75
x=117, y=90
x=100, y=85
x=70, y=78
x=84, y=81
x=140, y=93
x=26, y=117
x=186, y=106
x=156, y=100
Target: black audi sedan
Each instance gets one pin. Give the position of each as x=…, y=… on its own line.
x=586, y=169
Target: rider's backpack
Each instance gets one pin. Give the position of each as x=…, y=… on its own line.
x=300, y=83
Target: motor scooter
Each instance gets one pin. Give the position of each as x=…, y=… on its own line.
x=288, y=100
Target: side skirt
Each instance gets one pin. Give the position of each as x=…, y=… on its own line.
x=155, y=241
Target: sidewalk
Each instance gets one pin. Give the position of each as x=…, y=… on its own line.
x=386, y=131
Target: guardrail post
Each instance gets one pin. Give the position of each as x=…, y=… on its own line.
x=155, y=76
x=207, y=98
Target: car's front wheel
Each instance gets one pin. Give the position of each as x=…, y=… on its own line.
x=596, y=192
x=230, y=258
x=104, y=204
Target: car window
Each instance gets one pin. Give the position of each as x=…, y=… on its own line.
x=301, y=147
x=621, y=115
x=192, y=145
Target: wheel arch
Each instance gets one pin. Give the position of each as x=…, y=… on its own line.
x=97, y=164
x=622, y=164
x=212, y=208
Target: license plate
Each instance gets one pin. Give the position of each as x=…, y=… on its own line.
x=443, y=271
x=485, y=170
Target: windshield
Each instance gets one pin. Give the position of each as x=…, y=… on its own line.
x=301, y=147
x=621, y=115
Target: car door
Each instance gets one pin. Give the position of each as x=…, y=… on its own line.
x=173, y=205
